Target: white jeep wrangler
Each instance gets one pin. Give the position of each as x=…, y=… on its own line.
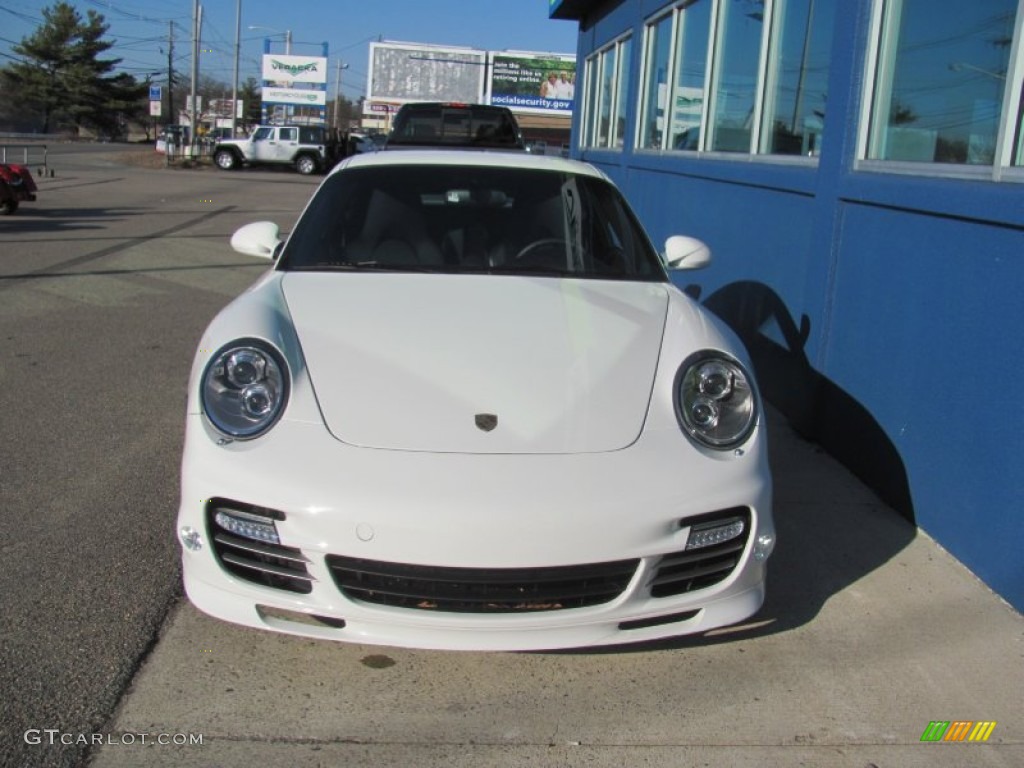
x=309, y=148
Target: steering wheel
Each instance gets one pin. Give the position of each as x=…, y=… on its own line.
x=536, y=245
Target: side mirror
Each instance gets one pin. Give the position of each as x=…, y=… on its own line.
x=261, y=238
x=682, y=252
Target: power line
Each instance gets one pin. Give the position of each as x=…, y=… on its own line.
x=130, y=15
x=22, y=16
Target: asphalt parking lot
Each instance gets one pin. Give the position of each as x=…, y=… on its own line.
x=870, y=631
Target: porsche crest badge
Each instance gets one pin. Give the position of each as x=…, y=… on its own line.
x=486, y=421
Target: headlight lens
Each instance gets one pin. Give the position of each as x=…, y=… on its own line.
x=715, y=400
x=244, y=389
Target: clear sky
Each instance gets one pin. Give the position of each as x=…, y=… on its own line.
x=141, y=29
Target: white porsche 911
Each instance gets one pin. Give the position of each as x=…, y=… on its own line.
x=467, y=409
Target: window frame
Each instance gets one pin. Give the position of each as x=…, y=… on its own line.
x=879, y=63
x=606, y=96
x=643, y=96
x=716, y=38
x=764, y=79
x=623, y=44
x=594, y=99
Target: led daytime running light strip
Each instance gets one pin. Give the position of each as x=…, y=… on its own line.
x=718, y=534
x=247, y=528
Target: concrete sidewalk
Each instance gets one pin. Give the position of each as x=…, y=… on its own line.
x=870, y=632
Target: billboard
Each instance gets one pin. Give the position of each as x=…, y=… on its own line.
x=286, y=69
x=533, y=82
x=401, y=72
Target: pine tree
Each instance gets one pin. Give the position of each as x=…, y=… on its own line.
x=249, y=93
x=64, y=80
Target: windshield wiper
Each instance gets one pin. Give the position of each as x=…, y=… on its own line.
x=533, y=269
x=360, y=266
x=322, y=266
x=377, y=266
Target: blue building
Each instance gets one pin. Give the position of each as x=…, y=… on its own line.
x=857, y=167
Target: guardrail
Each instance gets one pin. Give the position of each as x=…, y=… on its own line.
x=32, y=155
x=185, y=153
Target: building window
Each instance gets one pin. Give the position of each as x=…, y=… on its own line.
x=691, y=74
x=604, y=110
x=605, y=98
x=737, y=54
x=798, y=66
x=589, y=102
x=658, y=48
x=747, y=76
x=625, y=57
x=940, y=82
x=1020, y=130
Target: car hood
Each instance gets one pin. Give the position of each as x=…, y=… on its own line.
x=479, y=363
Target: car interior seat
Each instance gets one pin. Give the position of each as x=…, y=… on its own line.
x=393, y=233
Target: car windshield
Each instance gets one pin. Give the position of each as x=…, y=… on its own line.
x=471, y=219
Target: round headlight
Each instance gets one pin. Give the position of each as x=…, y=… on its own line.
x=715, y=400
x=244, y=388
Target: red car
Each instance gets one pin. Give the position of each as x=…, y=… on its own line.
x=16, y=185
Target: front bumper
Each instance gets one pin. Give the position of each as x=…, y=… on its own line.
x=481, y=512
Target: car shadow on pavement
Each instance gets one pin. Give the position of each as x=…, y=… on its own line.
x=32, y=217
x=842, y=504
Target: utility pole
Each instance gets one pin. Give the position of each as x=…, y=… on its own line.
x=337, y=93
x=172, y=117
x=234, y=80
x=192, y=111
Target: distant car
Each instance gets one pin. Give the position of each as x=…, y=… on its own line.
x=359, y=143
x=307, y=148
x=16, y=186
x=467, y=409
x=448, y=124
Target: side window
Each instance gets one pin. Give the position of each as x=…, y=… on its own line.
x=940, y=81
x=691, y=72
x=738, y=44
x=625, y=60
x=609, y=236
x=262, y=134
x=658, y=48
x=736, y=76
x=289, y=134
x=604, y=99
x=797, y=92
x=589, y=102
x=604, y=125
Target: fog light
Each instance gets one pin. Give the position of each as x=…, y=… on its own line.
x=191, y=539
x=247, y=526
x=709, y=534
x=764, y=546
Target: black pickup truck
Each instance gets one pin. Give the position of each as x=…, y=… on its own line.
x=446, y=124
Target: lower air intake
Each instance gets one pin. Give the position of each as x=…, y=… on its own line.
x=256, y=561
x=480, y=590
x=694, y=569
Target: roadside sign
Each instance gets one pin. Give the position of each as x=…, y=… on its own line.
x=154, y=109
x=155, y=93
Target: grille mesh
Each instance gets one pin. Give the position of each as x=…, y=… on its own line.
x=480, y=590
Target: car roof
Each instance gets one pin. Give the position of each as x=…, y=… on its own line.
x=470, y=157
